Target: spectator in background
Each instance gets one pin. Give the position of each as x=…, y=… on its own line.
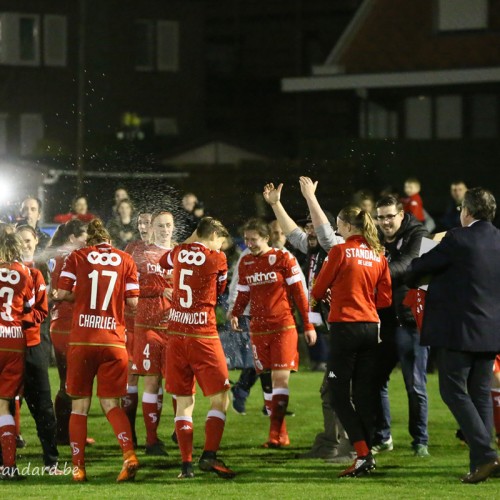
x=451, y=217
x=412, y=203
x=123, y=227
x=120, y=195
x=31, y=212
x=365, y=201
x=79, y=210
x=194, y=210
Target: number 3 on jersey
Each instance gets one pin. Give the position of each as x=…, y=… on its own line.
x=188, y=301
x=94, y=276
x=7, y=305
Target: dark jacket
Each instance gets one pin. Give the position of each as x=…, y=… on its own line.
x=462, y=307
x=400, y=253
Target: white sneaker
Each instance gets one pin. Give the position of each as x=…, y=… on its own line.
x=383, y=446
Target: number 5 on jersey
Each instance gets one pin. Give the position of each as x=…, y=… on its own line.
x=188, y=301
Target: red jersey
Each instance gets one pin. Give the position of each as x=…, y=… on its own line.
x=414, y=205
x=415, y=300
x=267, y=281
x=199, y=276
x=359, y=280
x=153, y=279
x=60, y=310
x=39, y=310
x=16, y=290
x=102, y=277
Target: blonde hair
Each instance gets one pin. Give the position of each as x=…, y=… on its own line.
x=97, y=233
x=363, y=221
x=11, y=247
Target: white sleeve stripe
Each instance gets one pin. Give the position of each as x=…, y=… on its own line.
x=242, y=288
x=169, y=259
x=31, y=301
x=293, y=279
x=65, y=274
x=131, y=286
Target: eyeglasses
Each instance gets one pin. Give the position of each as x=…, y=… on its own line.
x=387, y=217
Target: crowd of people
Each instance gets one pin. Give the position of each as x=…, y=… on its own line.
x=136, y=297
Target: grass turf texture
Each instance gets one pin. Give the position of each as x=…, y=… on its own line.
x=263, y=473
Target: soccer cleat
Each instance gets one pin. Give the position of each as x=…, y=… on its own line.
x=383, y=446
x=284, y=440
x=90, y=442
x=361, y=467
x=79, y=474
x=239, y=398
x=421, y=450
x=217, y=466
x=156, y=450
x=20, y=442
x=272, y=443
x=129, y=469
x=186, y=471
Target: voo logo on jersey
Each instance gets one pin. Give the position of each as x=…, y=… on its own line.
x=190, y=257
x=105, y=259
x=262, y=278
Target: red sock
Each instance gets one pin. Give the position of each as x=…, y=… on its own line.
x=150, y=414
x=495, y=394
x=361, y=448
x=184, y=431
x=283, y=429
x=17, y=415
x=130, y=403
x=62, y=408
x=214, y=428
x=121, y=426
x=159, y=405
x=278, y=411
x=78, y=438
x=8, y=440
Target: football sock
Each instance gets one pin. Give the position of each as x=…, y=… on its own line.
x=361, y=448
x=268, y=402
x=78, y=437
x=129, y=405
x=184, y=431
x=62, y=408
x=214, y=428
x=278, y=411
x=121, y=427
x=495, y=395
x=159, y=404
x=150, y=413
x=8, y=440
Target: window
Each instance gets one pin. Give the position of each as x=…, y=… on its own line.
x=449, y=117
x=165, y=126
x=3, y=134
x=55, y=40
x=31, y=132
x=156, y=45
x=379, y=122
x=418, y=123
x=20, y=39
x=484, y=116
x=458, y=15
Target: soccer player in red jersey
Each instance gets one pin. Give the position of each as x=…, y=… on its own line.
x=135, y=249
x=194, y=348
x=269, y=278
x=103, y=279
x=150, y=322
x=68, y=237
x=16, y=287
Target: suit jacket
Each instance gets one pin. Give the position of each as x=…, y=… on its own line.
x=462, y=308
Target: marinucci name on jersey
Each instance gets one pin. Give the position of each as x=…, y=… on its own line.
x=188, y=318
x=11, y=332
x=97, y=322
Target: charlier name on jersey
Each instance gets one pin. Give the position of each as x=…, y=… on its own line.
x=362, y=253
x=262, y=278
x=98, y=322
x=188, y=318
x=11, y=332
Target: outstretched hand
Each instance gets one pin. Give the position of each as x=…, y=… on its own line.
x=307, y=187
x=271, y=194
x=310, y=336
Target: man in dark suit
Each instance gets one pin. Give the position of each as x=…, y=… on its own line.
x=462, y=320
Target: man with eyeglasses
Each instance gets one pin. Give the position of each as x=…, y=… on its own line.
x=401, y=235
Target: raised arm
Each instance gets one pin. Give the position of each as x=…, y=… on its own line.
x=308, y=189
x=272, y=196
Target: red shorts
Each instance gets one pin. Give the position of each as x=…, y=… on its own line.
x=496, y=366
x=109, y=364
x=149, y=351
x=11, y=373
x=59, y=334
x=190, y=357
x=129, y=341
x=276, y=351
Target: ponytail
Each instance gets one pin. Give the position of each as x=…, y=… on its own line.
x=97, y=233
x=363, y=221
x=11, y=247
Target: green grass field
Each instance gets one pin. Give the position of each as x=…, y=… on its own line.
x=264, y=473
